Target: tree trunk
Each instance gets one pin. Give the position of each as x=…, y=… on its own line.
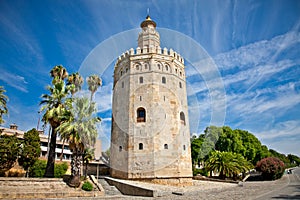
x=49, y=172
x=75, y=169
x=62, y=150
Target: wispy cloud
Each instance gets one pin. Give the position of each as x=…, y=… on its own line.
x=257, y=53
x=14, y=80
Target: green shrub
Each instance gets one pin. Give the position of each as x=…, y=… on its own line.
x=202, y=171
x=272, y=168
x=87, y=186
x=39, y=167
x=60, y=169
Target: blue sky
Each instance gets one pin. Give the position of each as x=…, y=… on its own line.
x=252, y=49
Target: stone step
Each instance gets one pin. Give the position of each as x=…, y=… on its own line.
x=110, y=190
x=40, y=189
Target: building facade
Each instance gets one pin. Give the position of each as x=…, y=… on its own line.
x=150, y=136
x=44, y=142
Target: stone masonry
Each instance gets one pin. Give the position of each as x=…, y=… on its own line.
x=150, y=136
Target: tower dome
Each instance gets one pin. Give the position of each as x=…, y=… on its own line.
x=149, y=37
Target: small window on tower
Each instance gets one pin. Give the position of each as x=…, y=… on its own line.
x=182, y=118
x=183, y=147
x=141, y=115
x=146, y=66
x=165, y=146
x=141, y=79
x=163, y=80
x=167, y=67
x=137, y=67
x=122, y=84
x=141, y=146
x=120, y=148
x=158, y=66
x=180, y=85
x=126, y=70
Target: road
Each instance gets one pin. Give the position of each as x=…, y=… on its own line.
x=289, y=190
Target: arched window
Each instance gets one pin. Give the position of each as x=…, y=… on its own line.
x=141, y=115
x=158, y=66
x=165, y=146
x=183, y=147
x=146, y=66
x=167, y=67
x=163, y=79
x=122, y=84
x=141, y=79
x=120, y=148
x=137, y=67
x=121, y=72
x=141, y=146
x=180, y=85
x=126, y=70
x=182, y=118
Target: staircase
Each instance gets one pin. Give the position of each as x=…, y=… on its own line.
x=110, y=190
x=35, y=188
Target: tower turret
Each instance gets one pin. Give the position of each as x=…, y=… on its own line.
x=149, y=37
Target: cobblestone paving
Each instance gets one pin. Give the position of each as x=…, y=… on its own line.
x=207, y=190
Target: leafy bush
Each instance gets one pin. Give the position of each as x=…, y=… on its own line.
x=272, y=168
x=202, y=171
x=39, y=167
x=9, y=149
x=60, y=169
x=87, y=186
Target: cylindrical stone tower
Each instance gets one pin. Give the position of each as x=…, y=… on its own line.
x=150, y=136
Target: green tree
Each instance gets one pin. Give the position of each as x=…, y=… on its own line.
x=56, y=110
x=3, y=102
x=88, y=155
x=294, y=160
x=281, y=156
x=30, y=150
x=227, y=164
x=81, y=133
x=9, y=149
x=94, y=82
x=74, y=84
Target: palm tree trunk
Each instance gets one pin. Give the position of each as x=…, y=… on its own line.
x=75, y=169
x=62, y=151
x=49, y=172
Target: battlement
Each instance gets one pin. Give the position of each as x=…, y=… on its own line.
x=147, y=50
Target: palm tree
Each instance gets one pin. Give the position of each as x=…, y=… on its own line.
x=74, y=84
x=76, y=80
x=227, y=164
x=59, y=72
x=56, y=109
x=88, y=155
x=3, y=102
x=81, y=133
x=94, y=82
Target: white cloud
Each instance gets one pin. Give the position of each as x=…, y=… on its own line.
x=14, y=80
x=257, y=53
x=103, y=98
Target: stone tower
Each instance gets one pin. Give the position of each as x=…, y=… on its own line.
x=150, y=136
